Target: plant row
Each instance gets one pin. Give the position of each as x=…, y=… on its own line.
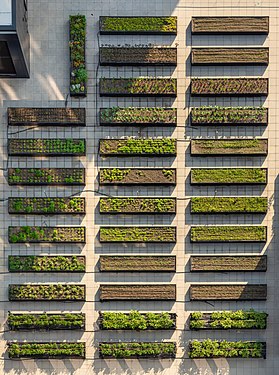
x=151, y=292
x=138, y=205
x=46, y=350
x=228, y=263
x=229, y=147
x=138, y=234
x=139, y=263
x=228, y=233
x=224, y=176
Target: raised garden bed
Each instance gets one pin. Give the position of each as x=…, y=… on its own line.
x=138, y=25
x=230, y=56
x=47, y=206
x=229, y=86
x=135, y=350
x=137, y=87
x=219, y=147
x=46, y=292
x=138, y=234
x=136, y=321
x=46, y=350
x=78, y=72
x=152, y=292
x=49, y=147
x=228, y=176
x=47, y=263
x=25, y=322
x=228, y=233
x=136, y=176
x=47, y=116
x=228, y=263
x=138, y=116
x=228, y=320
x=22, y=234
x=230, y=25
x=220, y=205
x=138, y=56
x=227, y=349
x=135, y=147
x=138, y=205
x=137, y=263
x=46, y=176
x=234, y=292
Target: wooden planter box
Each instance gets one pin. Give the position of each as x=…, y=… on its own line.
x=223, y=292
x=228, y=176
x=138, y=25
x=137, y=263
x=151, y=292
x=47, y=206
x=142, y=116
x=47, y=116
x=228, y=263
x=137, y=87
x=46, y=176
x=138, y=234
x=230, y=25
x=220, y=147
x=137, y=176
x=35, y=234
x=230, y=56
x=139, y=206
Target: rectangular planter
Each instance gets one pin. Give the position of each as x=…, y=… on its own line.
x=46, y=263
x=48, y=147
x=228, y=263
x=138, y=234
x=138, y=147
x=138, y=25
x=47, y=206
x=136, y=176
x=65, y=321
x=46, y=292
x=229, y=87
x=230, y=56
x=137, y=87
x=220, y=147
x=47, y=116
x=230, y=205
x=223, y=292
x=130, y=205
x=35, y=234
x=228, y=233
x=230, y=25
x=137, y=263
x=46, y=176
x=151, y=292
x=228, y=176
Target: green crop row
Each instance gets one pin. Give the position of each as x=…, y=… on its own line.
x=47, y=292
x=46, y=350
x=229, y=204
x=46, y=146
x=254, y=146
x=57, y=263
x=137, y=176
x=228, y=176
x=137, y=205
x=238, y=233
x=138, y=234
x=137, y=350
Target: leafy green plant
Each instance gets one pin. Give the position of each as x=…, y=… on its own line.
x=229, y=146
x=227, y=233
x=137, y=350
x=228, y=176
x=137, y=176
x=138, y=234
x=46, y=350
x=46, y=146
x=229, y=205
x=57, y=263
x=46, y=205
x=137, y=205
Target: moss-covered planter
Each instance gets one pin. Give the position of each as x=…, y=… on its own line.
x=151, y=292
x=135, y=176
x=137, y=205
x=46, y=176
x=135, y=147
x=138, y=234
x=46, y=292
x=47, y=116
x=228, y=233
x=47, y=206
x=234, y=292
x=230, y=25
x=230, y=56
x=138, y=25
x=228, y=263
x=137, y=87
x=49, y=147
x=228, y=176
x=67, y=321
x=230, y=205
x=59, y=263
x=138, y=350
x=137, y=263
x=35, y=234
x=142, y=116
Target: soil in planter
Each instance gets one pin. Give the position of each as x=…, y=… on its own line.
x=229, y=147
x=228, y=263
x=137, y=263
x=227, y=233
x=228, y=176
x=135, y=176
x=46, y=350
x=138, y=292
x=228, y=292
x=138, y=234
x=138, y=205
